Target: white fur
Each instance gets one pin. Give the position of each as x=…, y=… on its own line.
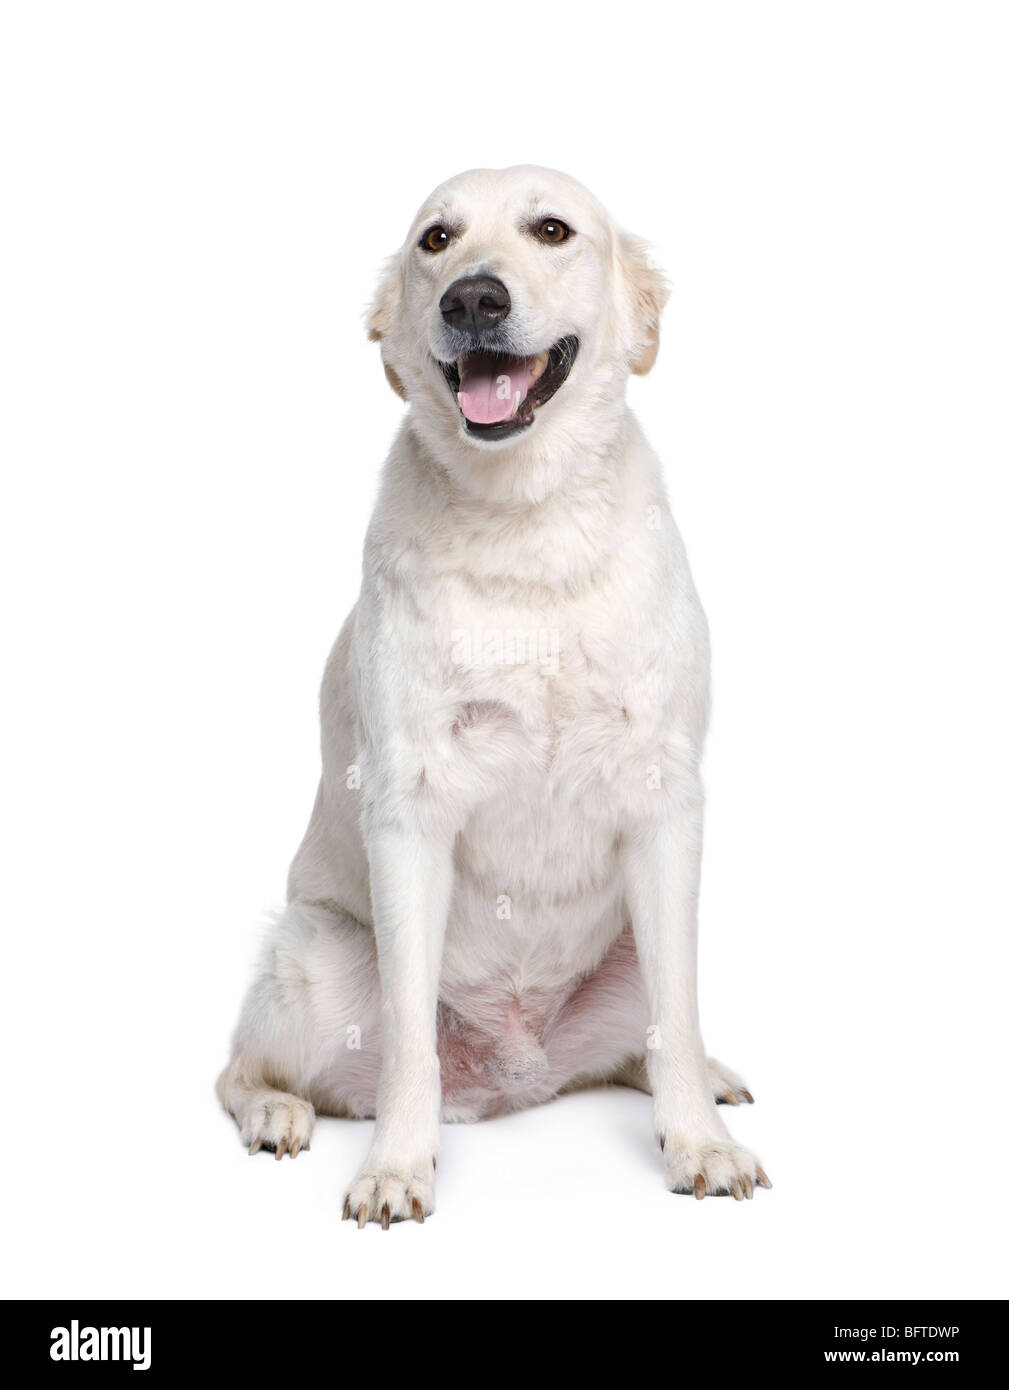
x=492, y=815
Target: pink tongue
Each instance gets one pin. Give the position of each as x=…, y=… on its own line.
x=489, y=386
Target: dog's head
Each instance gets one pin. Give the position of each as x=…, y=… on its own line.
x=514, y=301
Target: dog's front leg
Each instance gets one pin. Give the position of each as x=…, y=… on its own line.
x=662, y=864
x=411, y=885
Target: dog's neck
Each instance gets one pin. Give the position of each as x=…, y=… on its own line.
x=533, y=530
x=560, y=458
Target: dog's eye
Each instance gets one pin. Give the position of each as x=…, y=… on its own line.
x=435, y=239
x=553, y=231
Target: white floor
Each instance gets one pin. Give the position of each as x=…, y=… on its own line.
x=562, y=1202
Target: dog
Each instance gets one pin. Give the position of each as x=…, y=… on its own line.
x=496, y=897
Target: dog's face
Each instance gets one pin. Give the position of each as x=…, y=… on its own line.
x=513, y=300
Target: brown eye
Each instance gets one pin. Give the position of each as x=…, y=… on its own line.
x=435, y=239
x=553, y=231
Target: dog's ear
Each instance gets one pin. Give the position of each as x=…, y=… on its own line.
x=382, y=314
x=647, y=292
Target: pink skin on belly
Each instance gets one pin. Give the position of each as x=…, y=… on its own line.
x=492, y=1041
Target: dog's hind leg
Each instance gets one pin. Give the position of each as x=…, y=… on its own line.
x=266, y=1118
x=726, y=1086
x=598, y=1033
x=308, y=1036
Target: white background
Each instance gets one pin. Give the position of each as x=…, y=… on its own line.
x=197, y=201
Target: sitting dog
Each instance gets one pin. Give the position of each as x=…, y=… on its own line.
x=496, y=896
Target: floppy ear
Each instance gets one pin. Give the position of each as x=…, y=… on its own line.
x=647, y=291
x=382, y=315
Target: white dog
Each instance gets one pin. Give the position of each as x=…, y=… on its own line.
x=496, y=896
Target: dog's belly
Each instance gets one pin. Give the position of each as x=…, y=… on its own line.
x=538, y=885
x=537, y=914
x=537, y=894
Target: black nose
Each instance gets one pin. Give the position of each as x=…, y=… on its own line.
x=474, y=303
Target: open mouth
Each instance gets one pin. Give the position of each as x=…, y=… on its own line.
x=498, y=395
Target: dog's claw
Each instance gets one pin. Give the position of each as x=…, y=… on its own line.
x=255, y=1146
x=748, y=1187
x=346, y=1210
x=735, y=1187
x=418, y=1210
x=762, y=1178
x=700, y=1187
x=747, y=1097
x=296, y=1148
x=281, y=1148
x=362, y=1216
x=385, y=1217
x=730, y=1098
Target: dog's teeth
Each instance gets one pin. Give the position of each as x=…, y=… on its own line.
x=539, y=365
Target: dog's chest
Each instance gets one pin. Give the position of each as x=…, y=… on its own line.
x=551, y=761
x=546, y=703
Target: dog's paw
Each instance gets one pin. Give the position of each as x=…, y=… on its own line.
x=728, y=1088
x=387, y=1194
x=716, y=1167
x=279, y=1122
